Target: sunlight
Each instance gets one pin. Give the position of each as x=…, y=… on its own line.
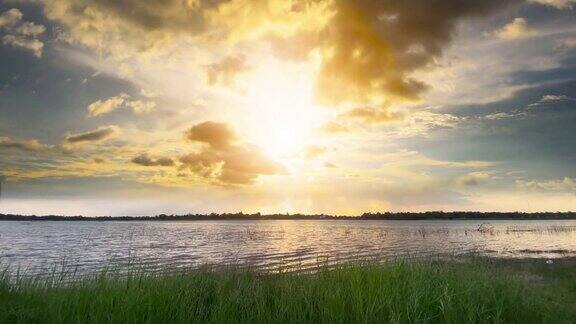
x=286, y=116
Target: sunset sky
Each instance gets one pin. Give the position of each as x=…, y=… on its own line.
x=313, y=106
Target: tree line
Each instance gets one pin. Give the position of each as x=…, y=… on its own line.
x=430, y=215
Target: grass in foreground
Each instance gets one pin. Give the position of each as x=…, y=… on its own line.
x=447, y=292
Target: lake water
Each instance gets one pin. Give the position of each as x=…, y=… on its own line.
x=270, y=245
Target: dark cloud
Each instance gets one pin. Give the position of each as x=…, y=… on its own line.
x=146, y=160
x=374, y=46
x=100, y=134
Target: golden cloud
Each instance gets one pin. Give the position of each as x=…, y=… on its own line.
x=315, y=151
x=226, y=70
x=123, y=29
x=370, y=115
x=218, y=135
x=334, y=128
x=222, y=161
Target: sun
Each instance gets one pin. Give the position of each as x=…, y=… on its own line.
x=285, y=114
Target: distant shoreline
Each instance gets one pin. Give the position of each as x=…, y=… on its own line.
x=258, y=216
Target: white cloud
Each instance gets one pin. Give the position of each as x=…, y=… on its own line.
x=516, y=29
x=503, y=115
x=566, y=184
x=421, y=123
x=550, y=99
x=30, y=29
x=140, y=106
x=476, y=178
x=559, y=4
x=10, y=18
x=101, y=107
x=33, y=45
x=21, y=34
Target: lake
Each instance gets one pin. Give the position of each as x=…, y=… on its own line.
x=269, y=245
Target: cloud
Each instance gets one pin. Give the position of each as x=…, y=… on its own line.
x=102, y=107
x=225, y=71
x=551, y=99
x=418, y=123
x=218, y=135
x=407, y=158
x=371, y=48
x=373, y=116
x=222, y=161
x=477, y=178
x=149, y=93
x=568, y=42
x=330, y=165
x=33, y=45
x=140, y=106
x=554, y=98
x=10, y=18
x=315, y=151
x=19, y=33
x=516, y=29
x=123, y=29
x=566, y=185
x=334, y=128
x=145, y=160
x=368, y=50
x=559, y=4
x=101, y=134
x=24, y=145
x=421, y=123
x=237, y=166
x=503, y=115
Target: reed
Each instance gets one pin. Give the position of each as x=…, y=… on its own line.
x=458, y=291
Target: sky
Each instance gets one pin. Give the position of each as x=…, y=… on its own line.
x=287, y=106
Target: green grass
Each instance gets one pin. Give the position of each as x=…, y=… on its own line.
x=469, y=291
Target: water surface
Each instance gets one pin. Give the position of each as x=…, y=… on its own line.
x=277, y=245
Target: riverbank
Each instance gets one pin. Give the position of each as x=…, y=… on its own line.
x=429, y=215
x=458, y=291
